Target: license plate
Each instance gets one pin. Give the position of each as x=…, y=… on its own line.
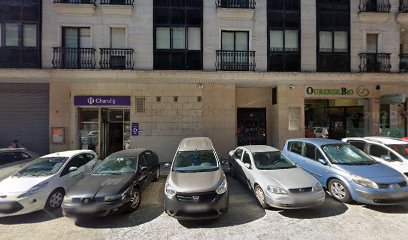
x=87, y=209
x=197, y=208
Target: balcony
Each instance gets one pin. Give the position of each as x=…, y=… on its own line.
x=375, y=62
x=374, y=11
x=404, y=62
x=235, y=9
x=117, y=7
x=73, y=58
x=235, y=60
x=116, y=58
x=75, y=7
x=402, y=16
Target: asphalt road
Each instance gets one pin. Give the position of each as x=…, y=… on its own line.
x=244, y=220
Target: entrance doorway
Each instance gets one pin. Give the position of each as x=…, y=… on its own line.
x=251, y=126
x=104, y=130
x=337, y=118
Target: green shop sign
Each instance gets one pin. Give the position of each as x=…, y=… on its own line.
x=360, y=91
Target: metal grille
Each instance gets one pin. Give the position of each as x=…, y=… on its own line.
x=116, y=58
x=74, y=58
x=250, y=4
x=235, y=60
x=374, y=6
x=140, y=104
x=76, y=1
x=118, y=2
x=375, y=62
x=197, y=197
x=300, y=190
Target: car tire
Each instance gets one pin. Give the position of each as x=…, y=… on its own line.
x=55, y=199
x=260, y=196
x=135, y=200
x=157, y=176
x=339, y=191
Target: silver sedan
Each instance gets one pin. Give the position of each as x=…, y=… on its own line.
x=275, y=179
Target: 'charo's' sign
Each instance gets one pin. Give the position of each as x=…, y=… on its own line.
x=359, y=91
x=102, y=101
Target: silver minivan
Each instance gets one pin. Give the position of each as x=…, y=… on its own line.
x=196, y=187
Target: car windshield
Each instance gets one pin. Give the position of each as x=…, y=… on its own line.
x=116, y=165
x=401, y=149
x=195, y=161
x=272, y=161
x=347, y=154
x=44, y=166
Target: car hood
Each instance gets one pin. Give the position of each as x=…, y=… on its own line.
x=100, y=185
x=374, y=172
x=288, y=178
x=195, y=182
x=399, y=166
x=17, y=185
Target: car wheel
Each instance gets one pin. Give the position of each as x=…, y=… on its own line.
x=55, y=199
x=339, y=191
x=157, y=176
x=135, y=200
x=260, y=196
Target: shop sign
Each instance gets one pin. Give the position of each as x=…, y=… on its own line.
x=396, y=98
x=135, y=129
x=102, y=101
x=360, y=91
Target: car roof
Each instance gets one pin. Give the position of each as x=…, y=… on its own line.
x=381, y=140
x=128, y=152
x=260, y=148
x=316, y=141
x=68, y=153
x=12, y=149
x=195, y=143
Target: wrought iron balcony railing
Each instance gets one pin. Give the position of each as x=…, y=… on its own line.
x=374, y=6
x=117, y=2
x=116, y=58
x=235, y=60
x=76, y=1
x=403, y=6
x=249, y=4
x=375, y=62
x=404, y=62
x=74, y=58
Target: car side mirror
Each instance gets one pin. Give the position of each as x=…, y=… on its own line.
x=167, y=165
x=322, y=161
x=386, y=158
x=72, y=169
x=247, y=165
x=231, y=153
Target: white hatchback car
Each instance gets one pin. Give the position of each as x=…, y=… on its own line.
x=389, y=151
x=43, y=182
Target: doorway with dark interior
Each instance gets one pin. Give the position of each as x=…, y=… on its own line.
x=251, y=126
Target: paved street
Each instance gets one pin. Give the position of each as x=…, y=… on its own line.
x=245, y=220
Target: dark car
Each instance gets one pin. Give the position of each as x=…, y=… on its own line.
x=116, y=185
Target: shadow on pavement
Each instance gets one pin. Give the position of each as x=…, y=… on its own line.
x=150, y=208
x=329, y=208
x=243, y=208
x=35, y=217
x=393, y=209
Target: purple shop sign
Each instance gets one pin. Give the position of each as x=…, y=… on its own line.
x=102, y=101
x=135, y=129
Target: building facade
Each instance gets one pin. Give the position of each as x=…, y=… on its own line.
x=237, y=71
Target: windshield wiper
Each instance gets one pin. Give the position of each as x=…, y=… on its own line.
x=287, y=167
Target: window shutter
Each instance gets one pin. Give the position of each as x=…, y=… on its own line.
x=140, y=104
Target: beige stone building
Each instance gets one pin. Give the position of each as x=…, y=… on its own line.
x=239, y=72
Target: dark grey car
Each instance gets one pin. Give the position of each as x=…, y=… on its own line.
x=116, y=185
x=196, y=187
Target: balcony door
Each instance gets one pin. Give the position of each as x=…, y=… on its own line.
x=118, y=45
x=235, y=50
x=73, y=40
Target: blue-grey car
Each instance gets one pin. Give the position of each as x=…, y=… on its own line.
x=347, y=172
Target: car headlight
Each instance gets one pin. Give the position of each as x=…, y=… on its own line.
x=169, y=190
x=67, y=199
x=364, y=181
x=276, y=190
x=223, y=187
x=112, y=198
x=318, y=187
x=36, y=189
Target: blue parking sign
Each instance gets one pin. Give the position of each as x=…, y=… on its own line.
x=135, y=129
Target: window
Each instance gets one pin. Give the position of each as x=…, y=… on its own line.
x=333, y=41
x=234, y=41
x=310, y=151
x=7, y=157
x=246, y=158
x=319, y=155
x=16, y=35
x=238, y=153
x=358, y=144
x=77, y=161
x=22, y=156
x=1, y=37
x=73, y=37
x=177, y=34
x=118, y=38
x=378, y=151
x=283, y=40
x=295, y=147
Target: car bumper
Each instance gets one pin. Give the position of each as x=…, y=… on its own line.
x=12, y=206
x=100, y=209
x=381, y=196
x=196, y=211
x=295, y=201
